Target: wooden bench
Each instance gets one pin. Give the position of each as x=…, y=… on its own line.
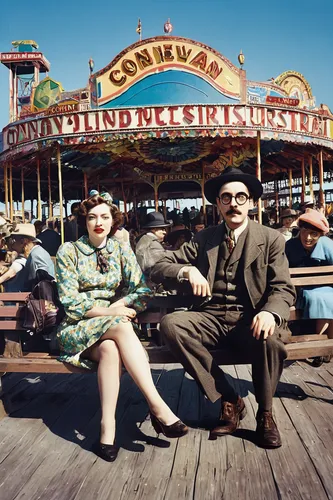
x=14, y=359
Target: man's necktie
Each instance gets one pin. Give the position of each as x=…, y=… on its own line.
x=231, y=241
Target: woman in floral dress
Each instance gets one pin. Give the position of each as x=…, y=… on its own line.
x=102, y=288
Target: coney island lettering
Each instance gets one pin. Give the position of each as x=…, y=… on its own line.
x=163, y=55
x=167, y=118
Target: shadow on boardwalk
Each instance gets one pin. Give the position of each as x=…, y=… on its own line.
x=53, y=423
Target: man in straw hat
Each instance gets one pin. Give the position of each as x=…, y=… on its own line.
x=39, y=264
x=240, y=271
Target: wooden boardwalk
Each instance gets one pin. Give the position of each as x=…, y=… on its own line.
x=53, y=422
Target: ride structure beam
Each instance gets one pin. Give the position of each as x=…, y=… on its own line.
x=5, y=180
x=258, y=174
x=311, y=177
x=61, y=206
x=321, y=199
x=49, y=188
x=290, y=172
x=39, y=199
x=22, y=195
x=85, y=183
x=11, y=203
x=303, y=180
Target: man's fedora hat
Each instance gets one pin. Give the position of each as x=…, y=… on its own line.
x=25, y=231
x=155, y=220
x=232, y=174
x=173, y=236
x=288, y=212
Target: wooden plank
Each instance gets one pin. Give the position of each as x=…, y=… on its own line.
x=150, y=476
x=309, y=408
x=69, y=441
x=181, y=484
x=92, y=477
x=294, y=271
x=303, y=350
x=312, y=281
x=233, y=466
x=46, y=435
x=62, y=444
x=48, y=364
x=13, y=296
x=20, y=462
x=292, y=468
x=11, y=325
x=38, y=365
x=307, y=338
x=8, y=311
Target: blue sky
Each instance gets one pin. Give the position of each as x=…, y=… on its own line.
x=274, y=36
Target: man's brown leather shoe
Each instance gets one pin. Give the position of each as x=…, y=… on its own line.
x=267, y=432
x=231, y=414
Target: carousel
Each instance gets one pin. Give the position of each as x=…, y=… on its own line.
x=164, y=116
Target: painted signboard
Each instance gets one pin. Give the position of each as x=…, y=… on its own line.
x=161, y=54
x=169, y=118
x=22, y=56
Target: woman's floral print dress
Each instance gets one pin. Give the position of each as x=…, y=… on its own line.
x=82, y=285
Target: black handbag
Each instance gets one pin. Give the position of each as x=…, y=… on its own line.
x=42, y=310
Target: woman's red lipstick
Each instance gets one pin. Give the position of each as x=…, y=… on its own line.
x=98, y=230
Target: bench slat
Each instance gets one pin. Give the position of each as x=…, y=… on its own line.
x=37, y=365
x=303, y=350
x=313, y=271
x=312, y=280
x=13, y=296
x=299, y=350
x=307, y=338
x=11, y=324
x=8, y=311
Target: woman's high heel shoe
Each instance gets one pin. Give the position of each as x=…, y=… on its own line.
x=176, y=430
x=108, y=452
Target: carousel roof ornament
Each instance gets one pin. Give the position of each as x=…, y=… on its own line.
x=91, y=65
x=168, y=27
x=241, y=58
x=139, y=29
x=17, y=43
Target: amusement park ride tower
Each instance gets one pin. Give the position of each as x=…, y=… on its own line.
x=25, y=64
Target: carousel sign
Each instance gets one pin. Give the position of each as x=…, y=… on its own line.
x=225, y=117
x=164, y=54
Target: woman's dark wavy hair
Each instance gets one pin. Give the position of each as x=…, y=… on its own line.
x=87, y=205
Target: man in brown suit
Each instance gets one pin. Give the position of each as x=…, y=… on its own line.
x=240, y=271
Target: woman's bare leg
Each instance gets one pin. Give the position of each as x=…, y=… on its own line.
x=134, y=358
x=106, y=354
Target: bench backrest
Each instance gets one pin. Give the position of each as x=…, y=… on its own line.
x=9, y=312
x=309, y=276
x=159, y=305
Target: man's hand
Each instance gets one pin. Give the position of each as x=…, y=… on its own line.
x=263, y=324
x=198, y=282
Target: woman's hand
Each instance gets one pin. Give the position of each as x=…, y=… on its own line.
x=127, y=313
x=118, y=303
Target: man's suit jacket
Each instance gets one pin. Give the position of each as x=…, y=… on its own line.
x=266, y=271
